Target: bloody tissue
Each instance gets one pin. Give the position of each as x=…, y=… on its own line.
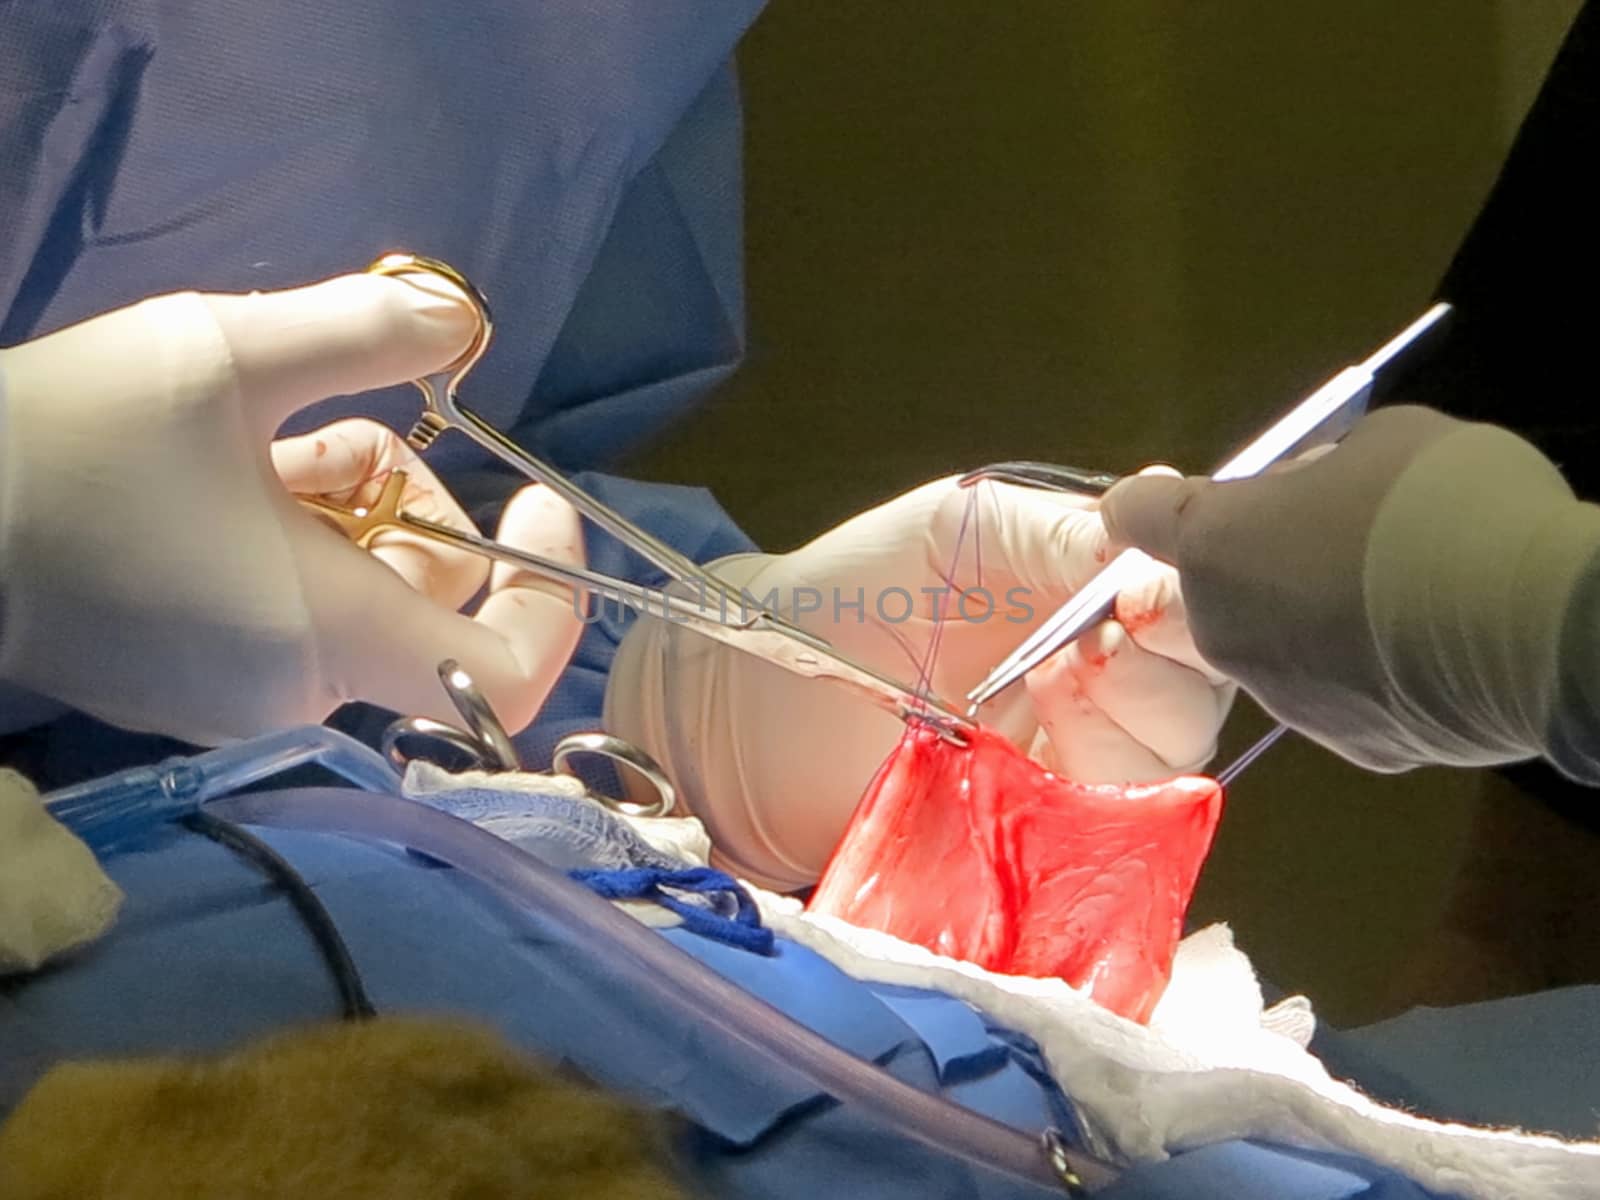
x=978, y=853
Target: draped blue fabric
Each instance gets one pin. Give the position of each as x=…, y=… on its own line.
x=171, y=977
x=579, y=160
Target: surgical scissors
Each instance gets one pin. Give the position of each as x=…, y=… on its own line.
x=1321, y=418
x=486, y=745
x=745, y=626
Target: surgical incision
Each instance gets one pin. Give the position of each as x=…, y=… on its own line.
x=978, y=853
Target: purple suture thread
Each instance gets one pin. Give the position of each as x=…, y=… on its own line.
x=925, y=671
x=1264, y=743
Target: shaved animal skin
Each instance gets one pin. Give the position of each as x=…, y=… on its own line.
x=978, y=853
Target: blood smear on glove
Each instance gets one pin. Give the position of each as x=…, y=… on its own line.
x=978, y=853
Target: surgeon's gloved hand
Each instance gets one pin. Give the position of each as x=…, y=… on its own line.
x=774, y=764
x=156, y=572
x=1407, y=598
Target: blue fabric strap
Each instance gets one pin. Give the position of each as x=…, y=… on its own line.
x=742, y=928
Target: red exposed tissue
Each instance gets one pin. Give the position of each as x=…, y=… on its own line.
x=978, y=853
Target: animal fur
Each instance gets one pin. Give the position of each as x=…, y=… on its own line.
x=389, y=1109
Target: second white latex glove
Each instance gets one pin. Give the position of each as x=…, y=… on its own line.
x=774, y=764
x=157, y=574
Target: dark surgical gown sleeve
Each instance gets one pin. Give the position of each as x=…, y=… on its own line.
x=1520, y=350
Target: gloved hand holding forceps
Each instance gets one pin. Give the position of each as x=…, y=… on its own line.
x=774, y=764
x=1426, y=593
x=157, y=572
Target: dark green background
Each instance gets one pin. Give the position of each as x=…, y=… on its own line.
x=1108, y=233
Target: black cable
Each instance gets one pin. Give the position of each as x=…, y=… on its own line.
x=356, y=1004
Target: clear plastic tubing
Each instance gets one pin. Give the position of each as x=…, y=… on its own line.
x=107, y=811
x=665, y=976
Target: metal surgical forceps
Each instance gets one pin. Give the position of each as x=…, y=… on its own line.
x=1323, y=417
x=717, y=610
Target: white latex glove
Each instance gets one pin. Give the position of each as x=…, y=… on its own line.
x=155, y=571
x=1428, y=592
x=774, y=764
x=53, y=895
